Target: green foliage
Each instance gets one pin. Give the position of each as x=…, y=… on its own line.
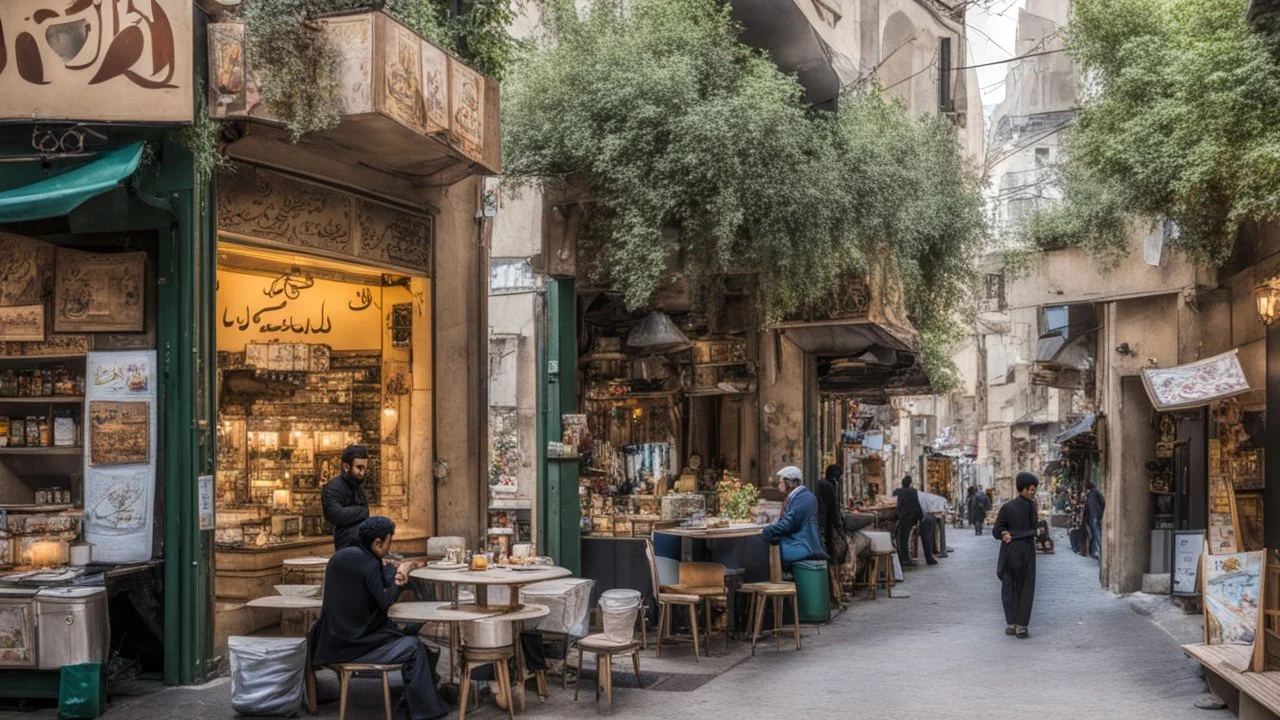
x=201, y=140
x=671, y=124
x=1093, y=218
x=1180, y=123
x=297, y=65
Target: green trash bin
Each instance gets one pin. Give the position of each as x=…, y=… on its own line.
x=82, y=691
x=813, y=591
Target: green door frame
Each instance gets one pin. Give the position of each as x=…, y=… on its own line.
x=557, y=372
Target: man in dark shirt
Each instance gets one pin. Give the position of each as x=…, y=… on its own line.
x=910, y=513
x=344, y=502
x=1093, y=507
x=830, y=519
x=978, y=507
x=353, y=625
x=1015, y=528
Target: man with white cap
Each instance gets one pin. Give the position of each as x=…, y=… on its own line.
x=796, y=532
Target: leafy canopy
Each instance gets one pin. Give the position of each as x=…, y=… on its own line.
x=668, y=122
x=1178, y=121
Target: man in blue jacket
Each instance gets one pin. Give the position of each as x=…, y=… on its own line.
x=797, y=530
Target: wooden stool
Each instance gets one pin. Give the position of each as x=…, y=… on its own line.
x=777, y=591
x=473, y=658
x=604, y=649
x=346, y=670
x=881, y=561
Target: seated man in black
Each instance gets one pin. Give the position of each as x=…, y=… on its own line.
x=353, y=625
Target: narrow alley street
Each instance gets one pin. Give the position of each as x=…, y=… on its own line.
x=940, y=653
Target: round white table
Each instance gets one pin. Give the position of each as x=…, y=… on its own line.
x=499, y=575
x=285, y=602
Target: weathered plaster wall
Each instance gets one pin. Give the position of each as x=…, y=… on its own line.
x=781, y=385
x=461, y=351
x=1063, y=277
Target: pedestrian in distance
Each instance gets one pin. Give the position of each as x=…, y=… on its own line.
x=910, y=513
x=978, y=505
x=1094, y=505
x=1015, y=528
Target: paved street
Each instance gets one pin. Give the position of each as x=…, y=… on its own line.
x=941, y=653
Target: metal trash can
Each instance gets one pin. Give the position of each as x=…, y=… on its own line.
x=619, y=608
x=813, y=590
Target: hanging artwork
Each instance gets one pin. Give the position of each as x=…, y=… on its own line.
x=17, y=635
x=99, y=292
x=1195, y=384
x=120, y=433
x=22, y=323
x=21, y=260
x=1232, y=595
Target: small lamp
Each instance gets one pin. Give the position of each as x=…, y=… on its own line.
x=1267, y=296
x=282, y=499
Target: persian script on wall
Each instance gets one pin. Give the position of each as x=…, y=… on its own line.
x=119, y=60
x=262, y=205
x=99, y=292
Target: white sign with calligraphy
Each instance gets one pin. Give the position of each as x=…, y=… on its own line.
x=121, y=60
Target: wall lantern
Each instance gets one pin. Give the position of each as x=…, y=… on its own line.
x=1267, y=296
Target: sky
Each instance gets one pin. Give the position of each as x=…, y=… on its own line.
x=992, y=35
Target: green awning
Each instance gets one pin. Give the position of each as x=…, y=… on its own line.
x=60, y=194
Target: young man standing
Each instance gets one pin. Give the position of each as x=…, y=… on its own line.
x=343, y=498
x=1094, y=505
x=1015, y=528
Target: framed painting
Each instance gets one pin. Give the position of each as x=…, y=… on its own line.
x=99, y=292
x=22, y=323
x=119, y=433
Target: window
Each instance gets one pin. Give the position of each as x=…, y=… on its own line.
x=1042, y=156
x=1053, y=319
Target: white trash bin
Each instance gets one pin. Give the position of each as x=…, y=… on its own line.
x=619, y=609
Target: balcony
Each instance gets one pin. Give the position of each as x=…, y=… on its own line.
x=415, y=117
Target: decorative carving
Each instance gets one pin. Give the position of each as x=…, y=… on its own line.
x=22, y=322
x=20, y=268
x=99, y=292
x=394, y=237
x=435, y=87
x=265, y=205
x=466, y=90
x=402, y=97
x=273, y=207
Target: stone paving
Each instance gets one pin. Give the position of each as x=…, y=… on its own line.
x=940, y=653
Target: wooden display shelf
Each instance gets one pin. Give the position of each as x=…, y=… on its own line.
x=72, y=450
x=33, y=359
x=44, y=400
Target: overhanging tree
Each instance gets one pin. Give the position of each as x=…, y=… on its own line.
x=668, y=122
x=1177, y=121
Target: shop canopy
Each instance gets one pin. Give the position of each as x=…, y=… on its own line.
x=62, y=193
x=1080, y=428
x=1195, y=384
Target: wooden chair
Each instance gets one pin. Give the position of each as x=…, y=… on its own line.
x=472, y=658
x=777, y=591
x=666, y=600
x=604, y=649
x=346, y=670
x=707, y=581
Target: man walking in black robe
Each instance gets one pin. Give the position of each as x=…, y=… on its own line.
x=353, y=625
x=1015, y=528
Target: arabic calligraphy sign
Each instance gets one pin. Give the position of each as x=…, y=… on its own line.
x=296, y=308
x=124, y=60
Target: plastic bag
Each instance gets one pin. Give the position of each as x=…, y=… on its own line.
x=267, y=675
x=82, y=691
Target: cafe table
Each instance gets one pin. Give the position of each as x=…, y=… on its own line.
x=734, y=577
x=511, y=576
x=445, y=612
x=298, y=612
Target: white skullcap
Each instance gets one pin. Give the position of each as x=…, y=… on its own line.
x=791, y=472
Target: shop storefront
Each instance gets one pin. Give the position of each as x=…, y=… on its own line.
x=105, y=421
x=319, y=346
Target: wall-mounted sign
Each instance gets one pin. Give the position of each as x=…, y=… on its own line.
x=297, y=308
x=122, y=60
